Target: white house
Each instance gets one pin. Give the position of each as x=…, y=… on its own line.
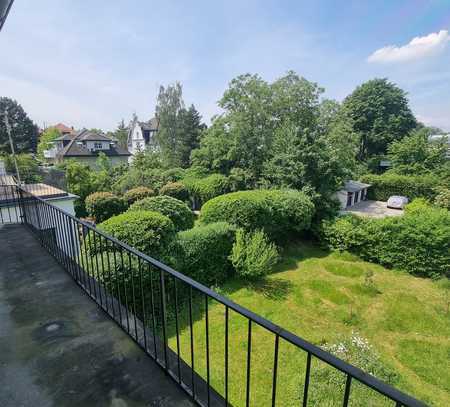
x=352, y=193
x=141, y=135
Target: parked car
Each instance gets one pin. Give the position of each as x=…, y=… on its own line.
x=397, y=202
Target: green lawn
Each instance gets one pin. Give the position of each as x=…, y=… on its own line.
x=323, y=297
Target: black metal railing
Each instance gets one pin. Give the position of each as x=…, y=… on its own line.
x=152, y=303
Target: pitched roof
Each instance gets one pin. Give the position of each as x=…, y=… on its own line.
x=152, y=124
x=63, y=128
x=76, y=149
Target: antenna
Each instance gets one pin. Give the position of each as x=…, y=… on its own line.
x=8, y=130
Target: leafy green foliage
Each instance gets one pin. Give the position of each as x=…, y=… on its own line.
x=176, y=210
x=46, y=140
x=150, y=232
x=202, y=252
x=414, y=154
x=442, y=199
x=23, y=131
x=136, y=194
x=253, y=255
x=204, y=189
x=380, y=115
x=28, y=167
x=175, y=190
x=417, y=242
x=277, y=212
x=121, y=134
x=329, y=383
x=103, y=205
x=385, y=185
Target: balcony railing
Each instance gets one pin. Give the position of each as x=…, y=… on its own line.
x=146, y=299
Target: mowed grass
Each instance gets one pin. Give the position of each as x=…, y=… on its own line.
x=322, y=297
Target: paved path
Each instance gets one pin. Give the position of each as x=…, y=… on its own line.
x=57, y=348
x=373, y=209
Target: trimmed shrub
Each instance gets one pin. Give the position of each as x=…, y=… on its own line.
x=103, y=205
x=175, y=190
x=150, y=232
x=442, y=199
x=386, y=185
x=136, y=194
x=177, y=211
x=203, y=252
x=277, y=212
x=204, y=189
x=253, y=255
x=418, y=242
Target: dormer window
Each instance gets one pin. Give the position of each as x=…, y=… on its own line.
x=98, y=146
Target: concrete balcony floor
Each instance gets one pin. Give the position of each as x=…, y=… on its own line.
x=58, y=348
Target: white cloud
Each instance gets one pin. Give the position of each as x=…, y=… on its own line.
x=417, y=48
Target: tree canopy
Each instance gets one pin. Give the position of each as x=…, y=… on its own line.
x=23, y=131
x=46, y=140
x=380, y=114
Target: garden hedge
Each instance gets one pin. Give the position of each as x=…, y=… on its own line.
x=103, y=205
x=418, y=241
x=150, y=232
x=277, y=212
x=385, y=185
x=204, y=189
x=175, y=190
x=176, y=210
x=136, y=194
x=202, y=252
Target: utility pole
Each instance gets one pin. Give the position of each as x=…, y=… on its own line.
x=8, y=131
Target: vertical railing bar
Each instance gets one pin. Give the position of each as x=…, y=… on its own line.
x=192, y=341
x=87, y=250
x=164, y=316
x=97, y=279
x=74, y=256
x=110, y=284
x=347, y=390
x=177, y=329
x=208, y=392
x=226, y=354
x=134, y=296
x=102, y=284
x=152, y=305
x=275, y=370
x=62, y=241
x=307, y=374
x=124, y=289
x=116, y=278
x=144, y=320
x=92, y=252
x=249, y=351
x=80, y=255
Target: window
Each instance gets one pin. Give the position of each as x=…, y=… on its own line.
x=98, y=146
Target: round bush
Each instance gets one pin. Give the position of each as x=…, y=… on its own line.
x=175, y=190
x=277, y=212
x=136, y=194
x=103, y=205
x=203, y=189
x=176, y=210
x=203, y=252
x=150, y=232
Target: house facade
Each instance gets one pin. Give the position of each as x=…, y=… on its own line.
x=352, y=193
x=142, y=135
x=85, y=147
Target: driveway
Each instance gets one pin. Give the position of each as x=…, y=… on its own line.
x=373, y=209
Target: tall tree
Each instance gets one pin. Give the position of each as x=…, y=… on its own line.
x=23, y=131
x=190, y=130
x=380, y=114
x=169, y=109
x=121, y=134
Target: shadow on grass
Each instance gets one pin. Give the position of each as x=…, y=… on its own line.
x=272, y=289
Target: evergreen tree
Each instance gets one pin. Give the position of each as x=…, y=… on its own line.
x=190, y=131
x=121, y=134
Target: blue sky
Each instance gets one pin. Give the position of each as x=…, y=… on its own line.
x=92, y=63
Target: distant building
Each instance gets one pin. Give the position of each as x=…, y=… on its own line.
x=85, y=146
x=352, y=193
x=63, y=129
x=142, y=135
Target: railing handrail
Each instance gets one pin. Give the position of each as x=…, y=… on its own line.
x=350, y=370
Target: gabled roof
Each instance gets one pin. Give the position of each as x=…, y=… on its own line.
x=87, y=135
x=152, y=124
x=63, y=128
